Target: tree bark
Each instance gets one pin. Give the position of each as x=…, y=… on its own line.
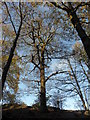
x=81, y=32
x=7, y=66
x=43, y=107
x=76, y=22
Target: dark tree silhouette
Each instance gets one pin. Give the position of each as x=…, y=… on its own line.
x=7, y=65
x=71, y=11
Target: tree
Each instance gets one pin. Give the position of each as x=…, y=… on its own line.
x=17, y=33
x=12, y=79
x=13, y=72
x=40, y=35
x=81, y=56
x=38, y=58
x=77, y=86
x=71, y=10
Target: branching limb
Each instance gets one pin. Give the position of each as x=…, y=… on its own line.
x=65, y=5
x=55, y=73
x=34, y=62
x=58, y=6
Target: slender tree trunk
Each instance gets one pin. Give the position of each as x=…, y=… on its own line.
x=7, y=66
x=79, y=89
x=43, y=106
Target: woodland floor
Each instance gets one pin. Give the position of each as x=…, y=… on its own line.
x=30, y=113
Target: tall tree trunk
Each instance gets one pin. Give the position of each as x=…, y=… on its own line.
x=76, y=22
x=43, y=106
x=7, y=66
x=79, y=89
x=81, y=32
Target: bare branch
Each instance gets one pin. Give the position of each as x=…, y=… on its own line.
x=32, y=69
x=84, y=22
x=34, y=62
x=38, y=81
x=81, y=4
x=65, y=5
x=10, y=17
x=58, y=6
x=57, y=72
